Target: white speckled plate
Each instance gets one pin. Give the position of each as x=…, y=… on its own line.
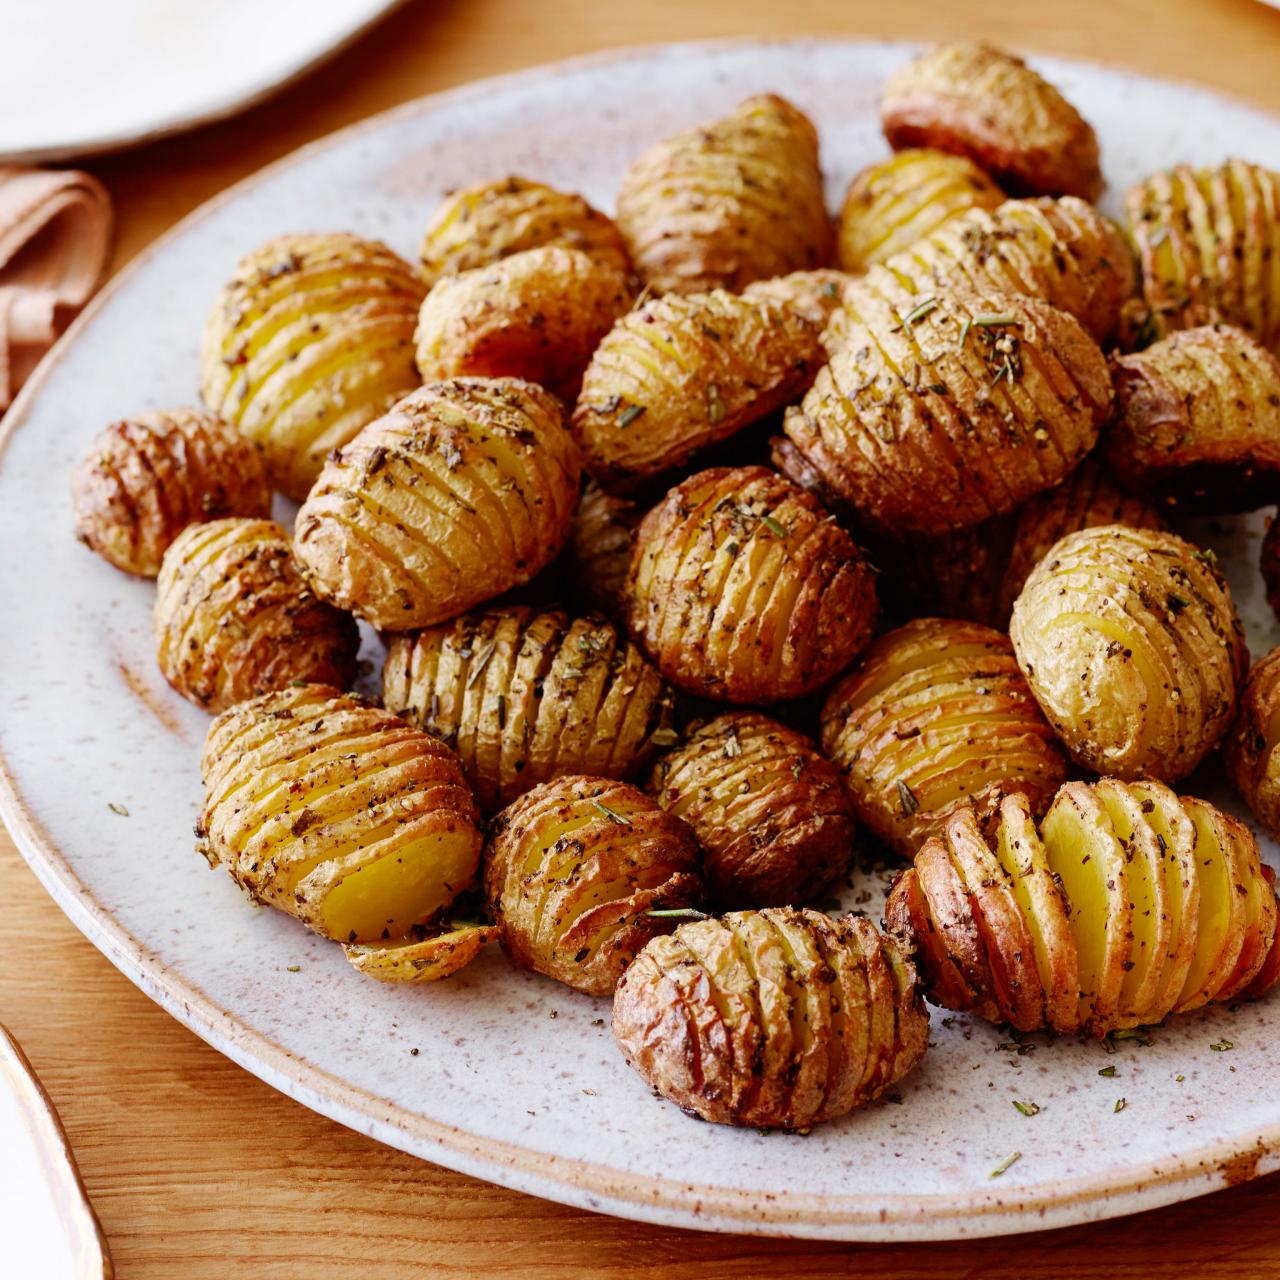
x=514, y=1078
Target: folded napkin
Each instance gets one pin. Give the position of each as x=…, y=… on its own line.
x=55, y=233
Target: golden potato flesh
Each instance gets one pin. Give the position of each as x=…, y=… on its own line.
x=936, y=414
x=772, y=814
x=465, y=489
x=936, y=717
x=736, y=200
x=779, y=1018
x=422, y=959
x=234, y=617
x=892, y=204
x=1131, y=645
x=814, y=294
x=575, y=870
x=523, y=696
x=979, y=101
x=146, y=478
x=1129, y=903
x=537, y=315
x=1252, y=759
x=680, y=373
x=480, y=225
x=600, y=549
x=312, y=339
x=339, y=813
x=743, y=588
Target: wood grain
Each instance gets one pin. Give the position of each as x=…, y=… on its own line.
x=199, y=1170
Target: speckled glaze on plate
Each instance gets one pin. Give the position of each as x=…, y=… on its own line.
x=515, y=1078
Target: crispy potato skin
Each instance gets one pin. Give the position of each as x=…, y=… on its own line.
x=338, y=813
x=465, y=489
x=936, y=717
x=814, y=294
x=427, y=959
x=1252, y=760
x=600, y=549
x=680, y=373
x=742, y=588
x=523, y=696
x=573, y=867
x=1004, y=921
x=892, y=204
x=708, y=1017
x=480, y=225
x=234, y=617
x=979, y=101
x=1269, y=564
x=1131, y=645
x=736, y=200
x=771, y=813
x=921, y=433
x=1197, y=424
x=537, y=315
x=145, y=479
x=311, y=339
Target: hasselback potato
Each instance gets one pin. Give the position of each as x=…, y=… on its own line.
x=814, y=294
x=1252, y=760
x=600, y=548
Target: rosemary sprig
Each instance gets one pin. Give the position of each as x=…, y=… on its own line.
x=616, y=818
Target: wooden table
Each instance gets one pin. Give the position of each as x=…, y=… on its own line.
x=199, y=1170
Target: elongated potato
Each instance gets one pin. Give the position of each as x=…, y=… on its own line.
x=771, y=813
x=1131, y=645
x=736, y=200
x=935, y=718
x=1129, y=903
x=480, y=225
x=146, y=478
x=234, y=617
x=574, y=870
x=892, y=204
x=537, y=315
x=338, y=813
x=312, y=338
x=1252, y=760
x=600, y=549
x=771, y=1019
x=464, y=489
x=680, y=373
x=938, y=414
x=979, y=101
x=814, y=294
x=524, y=696
x=743, y=588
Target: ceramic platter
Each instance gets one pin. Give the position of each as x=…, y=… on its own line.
x=501, y=1073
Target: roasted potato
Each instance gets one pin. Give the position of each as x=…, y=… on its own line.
x=480, y=225
x=1252, y=760
x=680, y=373
x=600, y=549
x=937, y=717
x=892, y=204
x=146, y=478
x=743, y=588
x=1269, y=563
x=422, y=959
x=1131, y=645
x=338, y=813
x=464, y=489
x=312, y=338
x=736, y=200
x=234, y=617
x=773, y=1019
x=1129, y=904
x=814, y=294
x=574, y=871
x=523, y=696
x=537, y=315
x=979, y=101
x=770, y=812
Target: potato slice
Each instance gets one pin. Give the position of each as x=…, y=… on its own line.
x=422, y=959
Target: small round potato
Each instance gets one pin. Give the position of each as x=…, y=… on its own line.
x=146, y=478
x=575, y=871
x=234, y=617
x=600, y=549
x=1252, y=759
x=979, y=101
x=771, y=813
x=736, y=200
x=465, y=489
x=936, y=717
x=1131, y=645
x=814, y=294
x=524, y=696
x=774, y=1019
x=312, y=339
x=743, y=588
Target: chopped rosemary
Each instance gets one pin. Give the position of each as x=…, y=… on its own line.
x=919, y=312
x=964, y=329
x=1177, y=603
x=1222, y=1046
x=616, y=818
x=907, y=798
x=483, y=654
x=293, y=968
x=1121, y=1103
x=630, y=414
x=1207, y=556
x=994, y=321
x=1027, y=1108
x=1109, y=1072
x=1006, y=1164
x=778, y=530
x=677, y=913
x=118, y=808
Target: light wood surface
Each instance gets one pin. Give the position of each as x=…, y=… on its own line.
x=197, y=1169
